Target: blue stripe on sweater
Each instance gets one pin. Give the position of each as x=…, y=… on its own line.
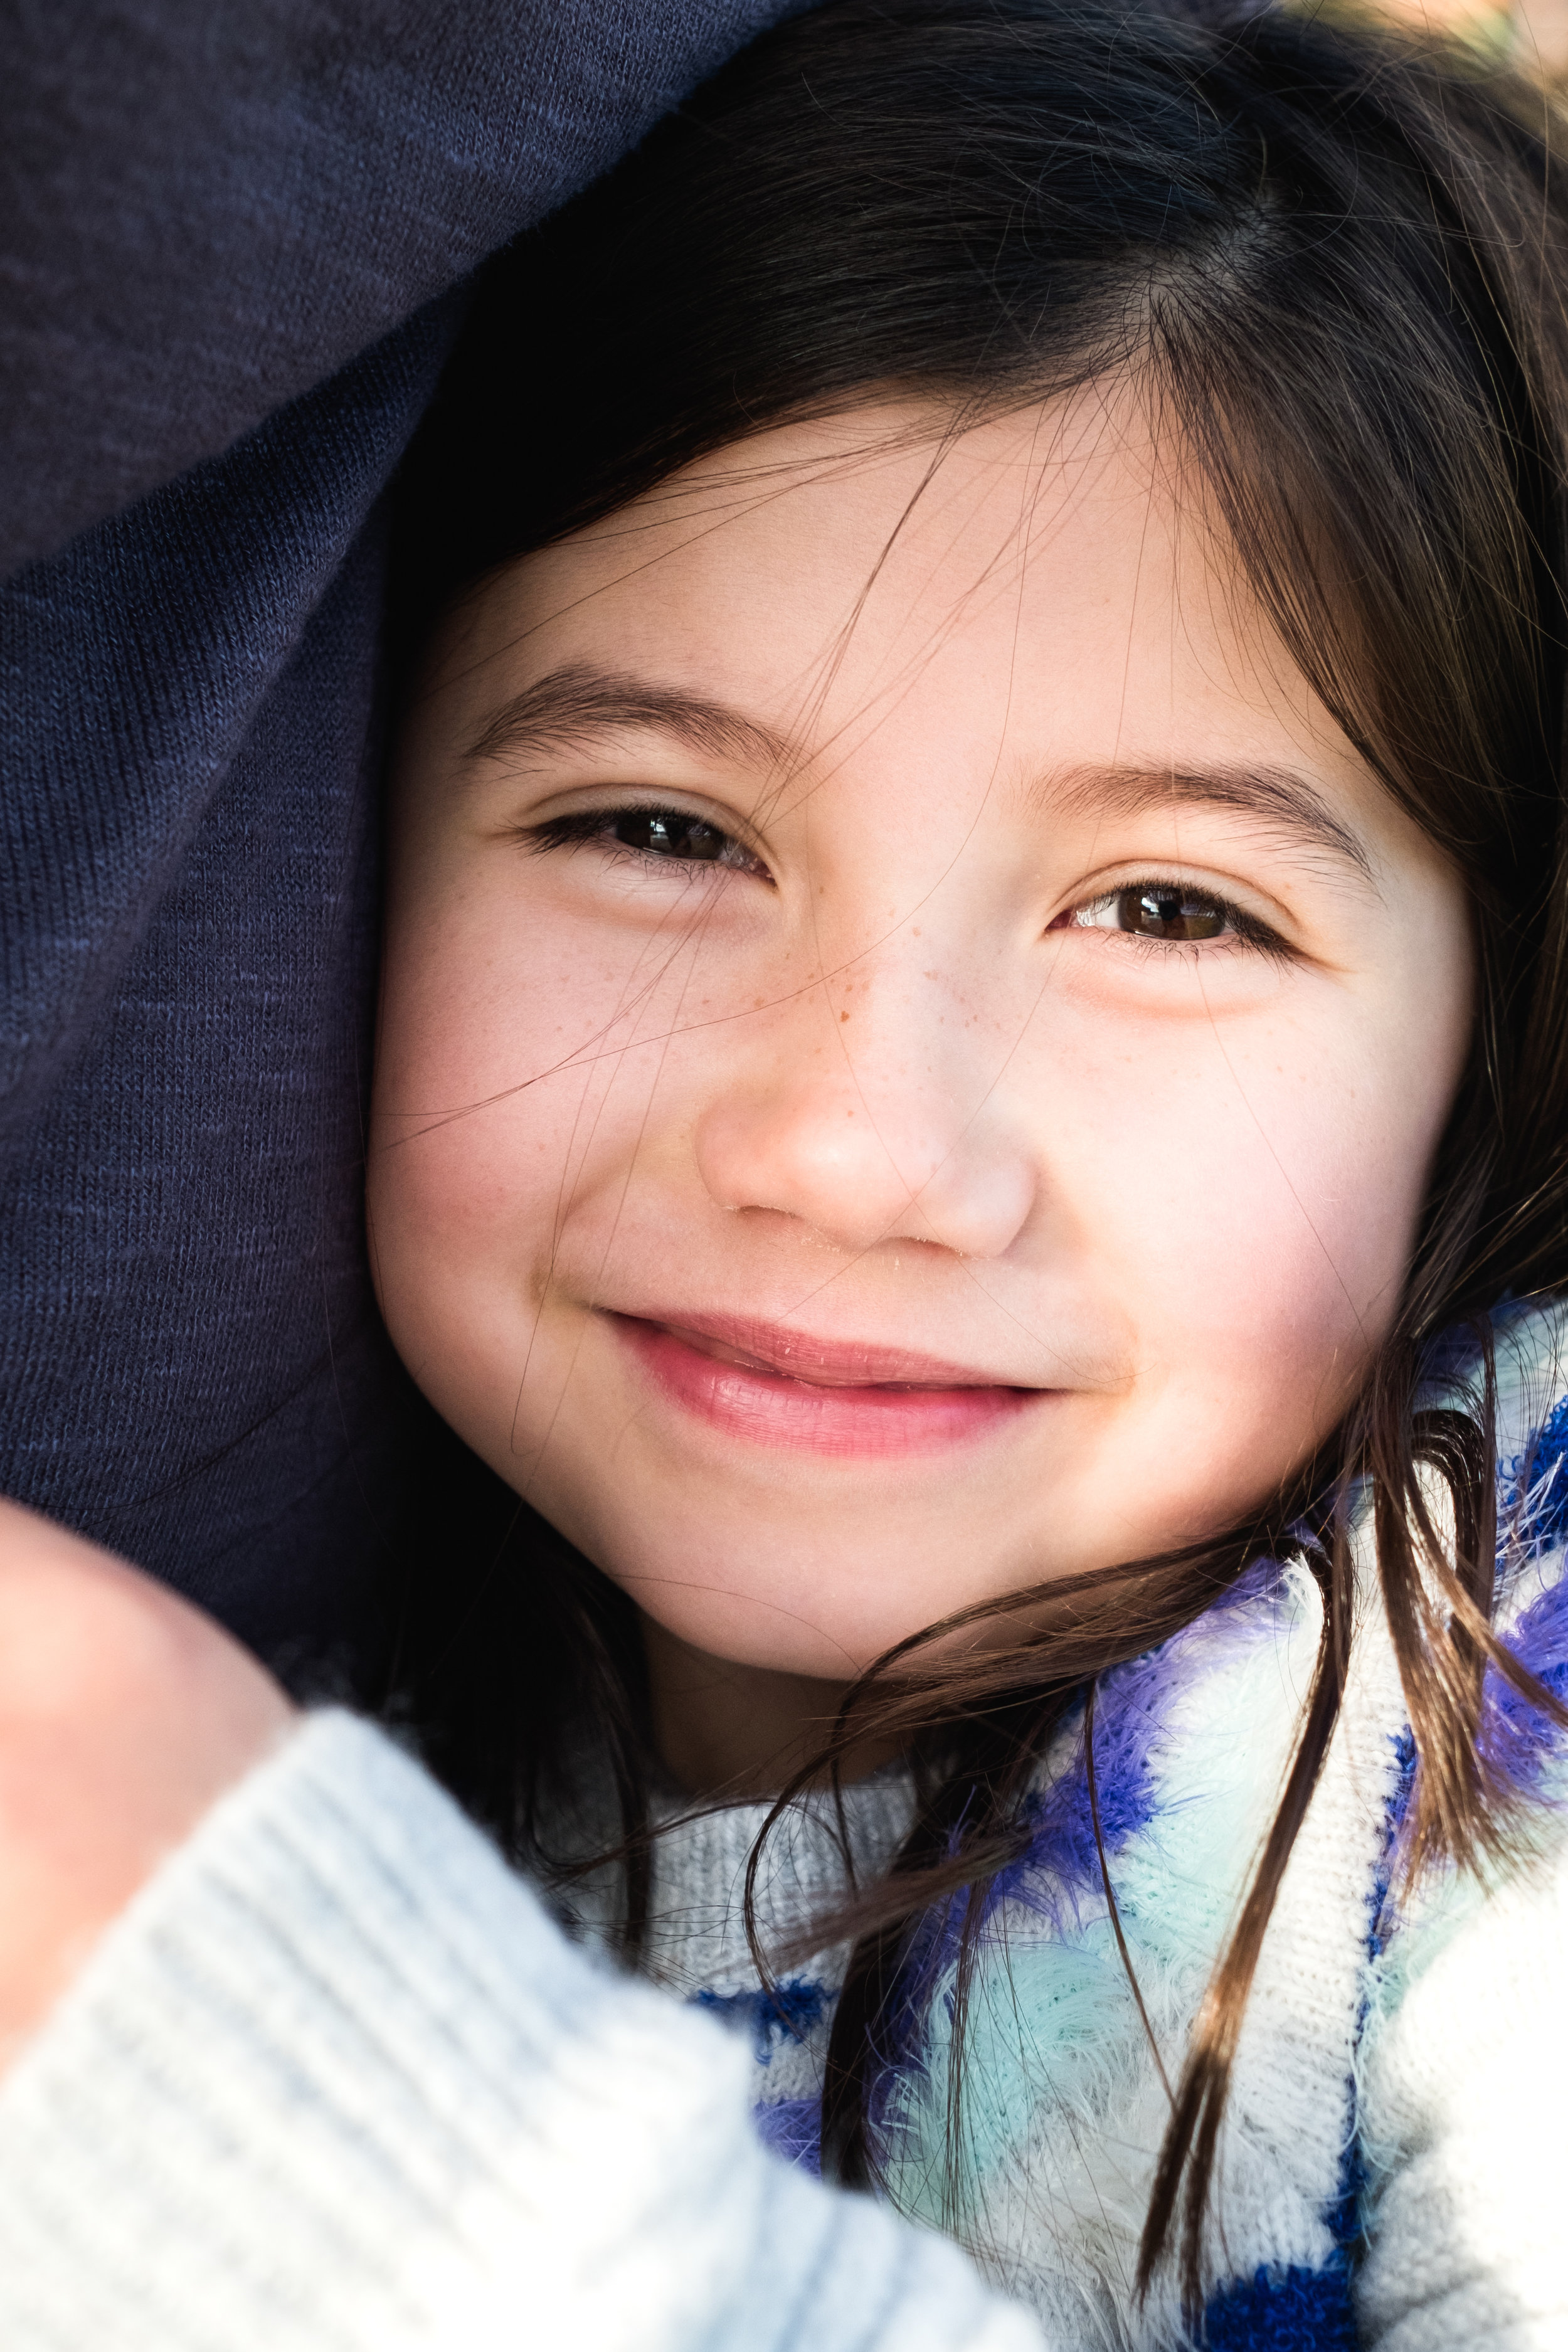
x=792, y=2129
x=1283, y=2311
x=770, y=2012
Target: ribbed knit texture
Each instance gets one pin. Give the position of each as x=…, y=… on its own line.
x=336, y=2081
x=227, y=238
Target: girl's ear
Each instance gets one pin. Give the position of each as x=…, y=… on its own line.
x=124, y=1714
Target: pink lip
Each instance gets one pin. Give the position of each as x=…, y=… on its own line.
x=780, y=1388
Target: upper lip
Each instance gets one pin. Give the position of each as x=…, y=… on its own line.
x=826, y=1363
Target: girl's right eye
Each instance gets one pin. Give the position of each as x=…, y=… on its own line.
x=1172, y=914
x=1158, y=911
x=661, y=836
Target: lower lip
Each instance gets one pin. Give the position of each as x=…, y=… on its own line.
x=769, y=1409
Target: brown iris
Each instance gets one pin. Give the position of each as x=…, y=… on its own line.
x=1162, y=911
x=668, y=833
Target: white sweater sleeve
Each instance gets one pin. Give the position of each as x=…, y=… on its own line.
x=1465, y=2109
x=336, y=2082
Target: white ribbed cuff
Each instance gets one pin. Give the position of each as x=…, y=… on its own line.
x=335, y=2080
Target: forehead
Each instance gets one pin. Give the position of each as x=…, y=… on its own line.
x=1046, y=588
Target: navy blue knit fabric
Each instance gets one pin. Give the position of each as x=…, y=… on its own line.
x=1288, y=2311
x=228, y=238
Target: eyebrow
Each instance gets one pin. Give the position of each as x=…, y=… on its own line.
x=574, y=704
x=1284, y=802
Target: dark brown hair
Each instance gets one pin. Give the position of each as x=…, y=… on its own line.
x=1338, y=263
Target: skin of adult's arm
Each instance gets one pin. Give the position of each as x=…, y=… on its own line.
x=124, y=1715
x=205, y=210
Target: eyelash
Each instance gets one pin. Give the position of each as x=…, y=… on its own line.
x=586, y=826
x=1244, y=930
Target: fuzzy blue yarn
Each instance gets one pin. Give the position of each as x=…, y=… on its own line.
x=1059, y=1872
x=792, y=2129
x=1515, y=1736
x=1131, y=1705
x=1381, y=1924
x=772, y=2013
x=1536, y=1484
x=1283, y=2311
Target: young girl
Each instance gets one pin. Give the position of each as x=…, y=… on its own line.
x=970, y=1113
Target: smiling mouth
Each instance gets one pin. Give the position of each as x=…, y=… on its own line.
x=772, y=1387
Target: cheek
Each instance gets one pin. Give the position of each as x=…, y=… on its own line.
x=475, y=1109
x=452, y=1209
x=1277, y=1216
x=1256, y=1209
x=523, y=1080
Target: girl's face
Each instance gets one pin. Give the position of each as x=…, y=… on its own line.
x=911, y=1046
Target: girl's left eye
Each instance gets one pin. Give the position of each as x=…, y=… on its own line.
x=661, y=836
x=1171, y=911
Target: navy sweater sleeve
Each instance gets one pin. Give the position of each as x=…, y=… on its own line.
x=229, y=241
x=205, y=209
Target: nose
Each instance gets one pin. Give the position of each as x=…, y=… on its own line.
x=890, y=1138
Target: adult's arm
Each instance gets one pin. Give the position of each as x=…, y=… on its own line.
x=329, y=2077
x=205, y=209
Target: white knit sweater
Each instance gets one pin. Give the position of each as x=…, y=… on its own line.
x=1395, y=2165
x=336, y=2084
